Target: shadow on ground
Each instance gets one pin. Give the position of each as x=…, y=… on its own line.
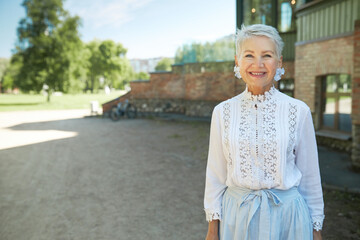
x=132, y=179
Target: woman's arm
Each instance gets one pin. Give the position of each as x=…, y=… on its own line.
x=213, y=230
x=317, y=235
x=216, y=169
x=308, y=163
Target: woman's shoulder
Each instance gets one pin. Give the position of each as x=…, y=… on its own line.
x=223, y=105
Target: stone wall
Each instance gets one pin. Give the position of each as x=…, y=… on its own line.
x=355, y=154
x=179, y=106
x=336, y=144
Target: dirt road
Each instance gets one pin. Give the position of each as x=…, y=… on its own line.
x=67, y=177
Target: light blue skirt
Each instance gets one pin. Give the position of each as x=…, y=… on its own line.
x=267, y=214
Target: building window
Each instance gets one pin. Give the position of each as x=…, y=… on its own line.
x=302, y=2
x=256, y=12
x=336, y=102
x=287, y=86
x=276, y=13
x=286, y=16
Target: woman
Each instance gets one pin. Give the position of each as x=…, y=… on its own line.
x=262, y=176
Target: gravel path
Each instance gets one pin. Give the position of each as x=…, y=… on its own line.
x=63, y=176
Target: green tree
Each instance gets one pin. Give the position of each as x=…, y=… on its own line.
x=220, y=50
x=107, y=61
x=11, y=72
x=4, y=65
x=94, y=68
x=164, y=64
x=142, y=76
x=50, y=48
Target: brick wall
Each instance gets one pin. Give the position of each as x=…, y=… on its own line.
x=356, y=76
x=320, y=58
x=355, y=116
x=193, y=89
x=195, y=81
x=160, y=85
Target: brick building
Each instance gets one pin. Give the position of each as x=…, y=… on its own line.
x=327, y=70
x=321, y=60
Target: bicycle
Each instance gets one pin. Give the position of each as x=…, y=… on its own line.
x=123, y=109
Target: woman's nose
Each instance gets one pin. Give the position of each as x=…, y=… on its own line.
x=259, y=62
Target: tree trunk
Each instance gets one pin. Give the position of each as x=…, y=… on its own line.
x=49, y=94
x=92, y=83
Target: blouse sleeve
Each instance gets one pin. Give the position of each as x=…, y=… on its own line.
x=215, y=171
x=308, y=163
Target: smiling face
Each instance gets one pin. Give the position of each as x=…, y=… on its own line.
x=258, y=63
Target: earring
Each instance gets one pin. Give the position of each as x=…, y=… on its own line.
x=279, y=72
x=237, y=72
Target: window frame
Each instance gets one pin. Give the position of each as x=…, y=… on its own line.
x=286, y=90
x=336, y=95
x=275, y=13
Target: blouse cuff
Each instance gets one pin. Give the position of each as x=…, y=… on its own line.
x=212, y=214
x=317, y=222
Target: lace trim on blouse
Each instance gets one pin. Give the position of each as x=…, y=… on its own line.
x=212, y=215
x=226, y=115
x=258, y=165
x=292, y=123
x=317, y=222
x=260, y=98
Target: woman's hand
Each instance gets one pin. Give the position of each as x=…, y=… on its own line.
x=213, y=230
x=317, y=235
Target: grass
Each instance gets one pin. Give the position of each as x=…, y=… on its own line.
x=21, y=102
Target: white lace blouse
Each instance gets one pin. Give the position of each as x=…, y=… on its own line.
x=262, y=142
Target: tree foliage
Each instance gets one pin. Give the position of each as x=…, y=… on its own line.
x=4, y=64
x=164, y=64
x=50, y=53
x=108, y=65
x=220, y=50
x=141, y=76
x=11, y=72
x=50, y=48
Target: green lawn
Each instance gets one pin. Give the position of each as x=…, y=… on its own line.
x=21, y=102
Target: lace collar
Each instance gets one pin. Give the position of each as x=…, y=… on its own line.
x=268, y=95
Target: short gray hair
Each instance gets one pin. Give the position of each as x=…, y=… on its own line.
x=257, y=30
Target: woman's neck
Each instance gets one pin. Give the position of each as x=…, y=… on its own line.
x=256, y=90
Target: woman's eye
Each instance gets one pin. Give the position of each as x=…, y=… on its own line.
x=267, y=55
x=249, y=55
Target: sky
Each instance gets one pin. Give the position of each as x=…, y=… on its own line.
x=147, y=28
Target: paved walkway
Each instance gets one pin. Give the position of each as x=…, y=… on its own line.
x=336, y=171
x=63, y=176
x=335, y=166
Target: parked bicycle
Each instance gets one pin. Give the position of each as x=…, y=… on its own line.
x=123, y=109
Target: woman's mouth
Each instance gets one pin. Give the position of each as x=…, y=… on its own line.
x=257, y=74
